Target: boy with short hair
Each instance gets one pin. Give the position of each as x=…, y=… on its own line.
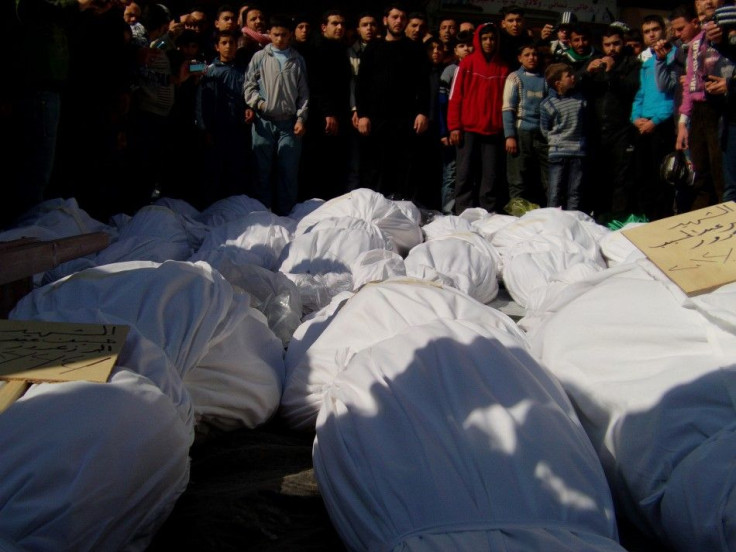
x=526, y=147
x=461, y=45
x=220, y=113
x=562, y=120
x=276, y=94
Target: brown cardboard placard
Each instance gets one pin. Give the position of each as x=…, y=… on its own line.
x=696, y=250
x=58, y=351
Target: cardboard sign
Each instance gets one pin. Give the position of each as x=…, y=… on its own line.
x=56, y=352
x=696, y=250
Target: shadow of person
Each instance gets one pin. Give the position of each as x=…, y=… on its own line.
x=449, y=436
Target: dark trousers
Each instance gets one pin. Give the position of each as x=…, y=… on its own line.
x=609, y=188
x=706, y=155
x=478, y=182
x=527, y=171
x=386, y=158
x=653, y=196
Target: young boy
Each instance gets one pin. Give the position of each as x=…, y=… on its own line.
x=562, y=120
x=220, y=113
x=276, y=94
x=462, y=45
x=526, y=147
x=475, y=123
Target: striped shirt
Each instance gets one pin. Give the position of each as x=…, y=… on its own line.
x=522, y=94
x=562, y=122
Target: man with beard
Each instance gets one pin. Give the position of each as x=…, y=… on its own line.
x=392, y=100
x=609, y=83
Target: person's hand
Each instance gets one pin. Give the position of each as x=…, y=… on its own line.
x=644, y=126
x=713, y=32
x=662, y=48
x=355, y=120
x=596, y=65
x=715, y=85
x=364, y=126
x=331, y=126
x=547, y=31
x=445, y=141
x=511, y=146
x=682, y=138
x=609, y=61
x=299, y=128
x=175, y=28
x=421, y=124
x=249, y=116
x=456, y=137
x=96, y=6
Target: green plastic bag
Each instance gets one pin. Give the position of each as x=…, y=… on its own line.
x=518, y=206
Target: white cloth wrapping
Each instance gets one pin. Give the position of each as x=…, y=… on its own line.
x=228, y=359
x=444, y=226
x=377, y=265
x=376, y=312
x=490, y=224
x=465, y=259
x=272, y=293
x=331, y=245
x=259, y=236
x=403, y=232
x=541, y=245
x=61, y=218
x=449, y=436
x=229, y=209
x=651, y=374
x=617, y=249
x=90, y=466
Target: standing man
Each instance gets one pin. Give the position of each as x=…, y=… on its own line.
x=610, y=83
x=447, y=33
x=476, y=124
x=325, y=159
x=652, y=119
x=513, y=35
x=392, y=99
x=417, y=27
x=700, y=113
x=367, y=33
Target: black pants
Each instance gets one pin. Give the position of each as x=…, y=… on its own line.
x=479, y=182
x=654, y=197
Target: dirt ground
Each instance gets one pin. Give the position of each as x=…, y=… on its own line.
x=250, y=490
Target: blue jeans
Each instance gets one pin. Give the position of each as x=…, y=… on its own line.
x=40, y=111
x=729, y=163
x=276, y=138
x=565, y=179
x=449, y=170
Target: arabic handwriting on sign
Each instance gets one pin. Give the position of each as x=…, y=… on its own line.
x=688, y=229
x=717, y=211
x=45, y=348
x=707, y=257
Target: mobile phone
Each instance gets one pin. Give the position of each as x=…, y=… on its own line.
x=196, y=66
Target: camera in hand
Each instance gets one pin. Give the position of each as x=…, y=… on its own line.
x=197, y=66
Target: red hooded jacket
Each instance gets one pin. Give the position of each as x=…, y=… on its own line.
x=476, y=95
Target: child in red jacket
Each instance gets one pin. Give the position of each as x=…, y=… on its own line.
x=476, y=124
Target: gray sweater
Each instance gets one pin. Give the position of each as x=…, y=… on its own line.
x=562, y=122
x=274, y=92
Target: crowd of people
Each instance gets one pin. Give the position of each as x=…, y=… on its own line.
x=116, y=103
